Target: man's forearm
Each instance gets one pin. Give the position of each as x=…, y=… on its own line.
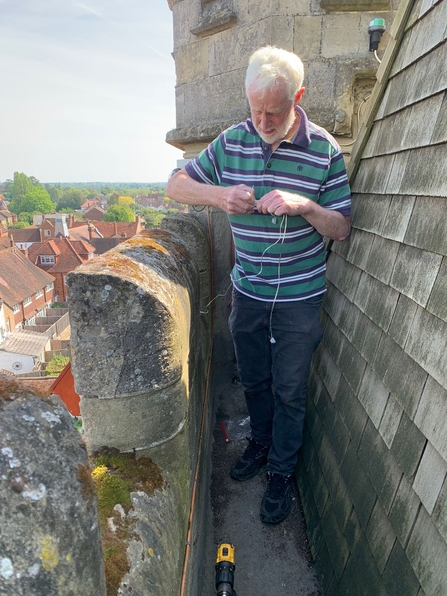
x=234, y=200
x=329, y=223
x=183, y=189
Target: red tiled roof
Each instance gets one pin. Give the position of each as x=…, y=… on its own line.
x=19, y=278
x=66, y=250
x=110, y=229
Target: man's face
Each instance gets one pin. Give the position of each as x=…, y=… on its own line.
x=272, y=112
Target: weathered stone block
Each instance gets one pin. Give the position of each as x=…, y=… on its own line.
x=373, y=395
x=427, y=344
x=430, y=477
x=400, y=373
x=437, y=303
x=381, y=467
x=427, y=553
x=414, y=274
x=191, y=62
x=335, y=42
x=404, y=510
x=408, y=445
x=431, y=415
x=380, y=535
x=49, y=540
x=307, y=35
x=398, y=575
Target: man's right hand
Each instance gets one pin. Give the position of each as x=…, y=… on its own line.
x=237, y=200
x=234, y=200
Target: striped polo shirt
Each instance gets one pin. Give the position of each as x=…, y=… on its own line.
x=278, y=258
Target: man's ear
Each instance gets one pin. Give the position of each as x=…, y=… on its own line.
x=299, y=95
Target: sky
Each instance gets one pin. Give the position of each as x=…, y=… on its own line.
x=87, y=90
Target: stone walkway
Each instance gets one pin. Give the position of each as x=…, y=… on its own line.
x=270, y=560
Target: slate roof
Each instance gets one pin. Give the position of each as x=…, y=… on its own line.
x=22, y=341
x=19, y=278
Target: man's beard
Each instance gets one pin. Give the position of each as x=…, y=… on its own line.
x=280, y=133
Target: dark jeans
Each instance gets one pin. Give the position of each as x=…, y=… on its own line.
x=274, y=375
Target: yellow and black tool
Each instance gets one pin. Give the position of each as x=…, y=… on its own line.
x=225, y=569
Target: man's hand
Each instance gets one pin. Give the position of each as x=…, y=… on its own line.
x=234, y=200
x=327, y=222
x=237, y=200
x=278, y=202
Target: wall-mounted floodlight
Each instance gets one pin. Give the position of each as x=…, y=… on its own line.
x=376, y=29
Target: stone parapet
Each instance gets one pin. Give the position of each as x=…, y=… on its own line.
x=140, y=346
x=49, y=525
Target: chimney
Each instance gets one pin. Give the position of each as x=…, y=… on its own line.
x=25, y=252
x=90, y=231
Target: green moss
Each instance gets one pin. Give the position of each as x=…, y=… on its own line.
x=116, y=475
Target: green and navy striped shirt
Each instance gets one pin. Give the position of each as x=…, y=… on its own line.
x=280, y=256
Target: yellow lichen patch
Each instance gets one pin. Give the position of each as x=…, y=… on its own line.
x=68, y=558
x=146, y=243
x=49, y=554
x=115, y=476
x=151, y=552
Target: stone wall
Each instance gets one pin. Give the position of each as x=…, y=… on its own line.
x=213, y=40
x=140, y=349
x=49, y=525
x=373, y=476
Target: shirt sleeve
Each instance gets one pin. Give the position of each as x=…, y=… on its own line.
x=335, y=193
x=205, y=167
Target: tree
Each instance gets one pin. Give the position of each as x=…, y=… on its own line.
x=20, y=186
x=119, y=213
x=26, y=217
x=72, y=198
x=56, y=365
x=38, y=200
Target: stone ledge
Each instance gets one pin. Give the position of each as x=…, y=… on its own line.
x=351, y=5
x=180, y=137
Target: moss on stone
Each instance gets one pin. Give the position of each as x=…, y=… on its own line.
x=116, y=475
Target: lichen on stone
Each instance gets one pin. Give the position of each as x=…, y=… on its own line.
x=116, y=475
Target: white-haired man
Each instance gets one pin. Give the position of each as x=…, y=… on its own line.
x=282, y=181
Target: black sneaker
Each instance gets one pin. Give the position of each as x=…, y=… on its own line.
x=276, y=503
x=250, y=462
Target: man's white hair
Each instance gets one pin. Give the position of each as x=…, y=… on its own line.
x=269, y=64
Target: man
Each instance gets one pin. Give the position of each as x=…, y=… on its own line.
x=282, y=181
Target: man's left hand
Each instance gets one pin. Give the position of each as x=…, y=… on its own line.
x=279, y=202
